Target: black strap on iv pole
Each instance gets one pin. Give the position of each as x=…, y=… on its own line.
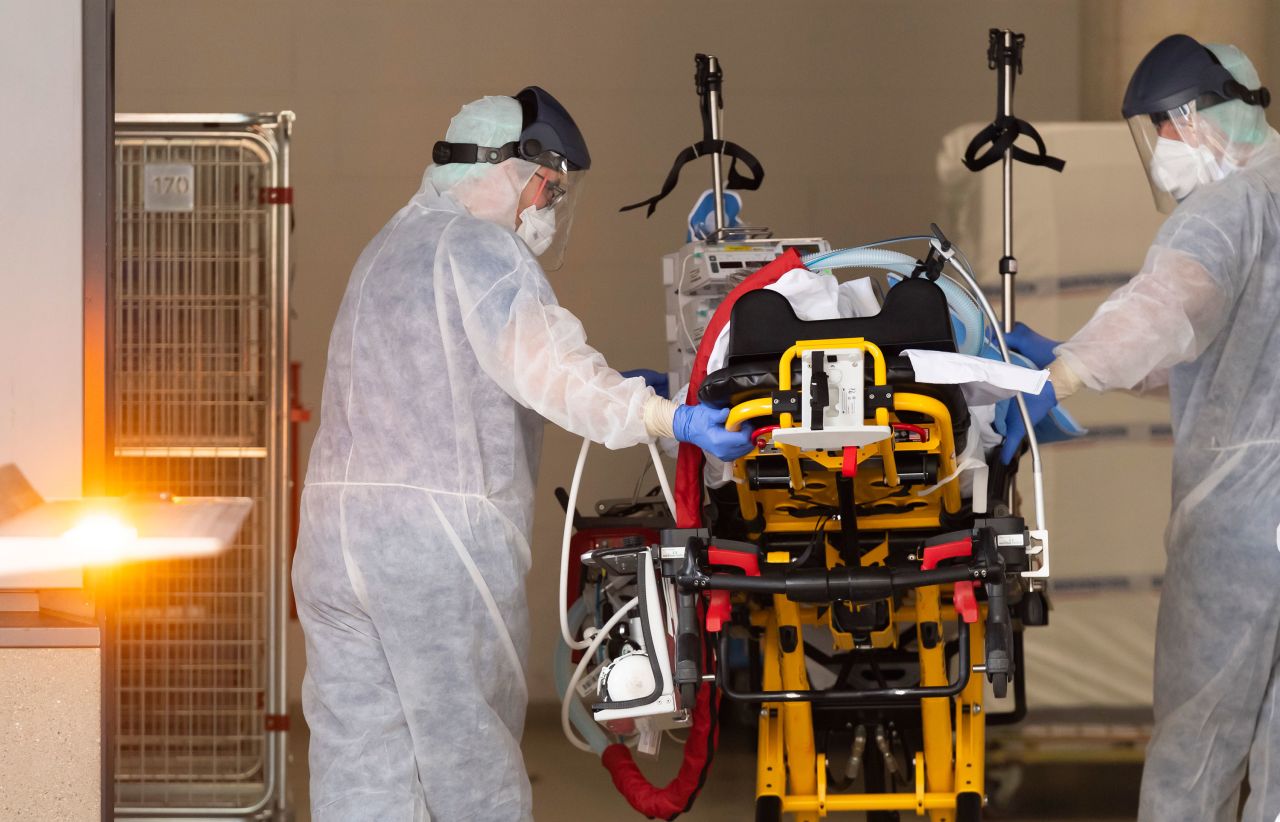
x=1001, y=135
x=707, y=81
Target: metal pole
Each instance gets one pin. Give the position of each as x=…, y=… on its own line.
x=1006, y=59
x=713, y=100
x=97, y=37
x=98, y=73
x=279, y=557
x=1008, y=264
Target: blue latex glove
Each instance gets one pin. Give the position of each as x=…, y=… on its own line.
x=1038, y=407
x=657, y=380
x=1034, y=347
x=703, y=426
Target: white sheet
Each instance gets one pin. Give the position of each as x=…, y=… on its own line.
x=983, y=381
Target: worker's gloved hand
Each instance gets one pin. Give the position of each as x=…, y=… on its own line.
x=657, y=380
x=1038, y=407
x=1031, y=345
x=703, y=426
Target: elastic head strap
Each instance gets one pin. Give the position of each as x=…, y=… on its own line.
x=1260, y=96
x=445, y=152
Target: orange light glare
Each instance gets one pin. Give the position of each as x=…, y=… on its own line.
x=100, y=539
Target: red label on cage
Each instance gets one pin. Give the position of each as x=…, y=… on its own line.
x=275, y=195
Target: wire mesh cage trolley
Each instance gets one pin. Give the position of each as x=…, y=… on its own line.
x=199, y=406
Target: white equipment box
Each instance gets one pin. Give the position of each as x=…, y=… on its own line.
x=699, y=276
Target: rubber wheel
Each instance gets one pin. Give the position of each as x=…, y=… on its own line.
x=768, y=809
x=688, y=693
x=1035, y=609
x=1000, y=685
x=969, y=807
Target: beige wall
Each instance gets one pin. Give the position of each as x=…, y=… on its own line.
x=844, y=102
x=1121, y=33
x=41, y=209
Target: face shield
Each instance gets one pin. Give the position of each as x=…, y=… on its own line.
x=1180, y=149
x=547, y=207
x=1192, y=120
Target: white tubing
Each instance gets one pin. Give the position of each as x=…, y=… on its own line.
x=1037, y=471
x=592, y=637
x=563, y=669
x=562, y=605
x=578, y=470
x=662, y=479
x=571, y=692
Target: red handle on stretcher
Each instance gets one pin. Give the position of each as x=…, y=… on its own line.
x=762, y=435
x=749, y=563
x=964, y=594
x=933, y=554
x=921, y=432
x=718, y=601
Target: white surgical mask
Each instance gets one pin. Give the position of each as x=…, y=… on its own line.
x=537, y=228
x=1178, y=168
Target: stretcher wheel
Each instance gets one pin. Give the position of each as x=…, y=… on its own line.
x=1035, y=610
x=969, y=807
x=769, y=809
x=1000, y=686
x=688, y=693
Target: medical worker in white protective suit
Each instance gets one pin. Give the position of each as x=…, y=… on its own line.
x=448, y=352
x=1203, y=319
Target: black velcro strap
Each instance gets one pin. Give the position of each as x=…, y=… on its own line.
x=1000, y=137
x=736, y=181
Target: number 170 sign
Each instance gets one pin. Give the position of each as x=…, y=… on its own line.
x=169, y=187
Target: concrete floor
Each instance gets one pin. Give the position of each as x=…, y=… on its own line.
x=570, y=785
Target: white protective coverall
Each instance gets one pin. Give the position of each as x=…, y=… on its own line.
x=448, y=352
x=1203, y=319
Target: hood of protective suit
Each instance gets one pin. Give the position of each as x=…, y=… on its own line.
x=487, y=191
x=1244, y=126
x=1234, y=134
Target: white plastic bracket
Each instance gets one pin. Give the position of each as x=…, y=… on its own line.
x=843, y=421
x=1038, y=555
